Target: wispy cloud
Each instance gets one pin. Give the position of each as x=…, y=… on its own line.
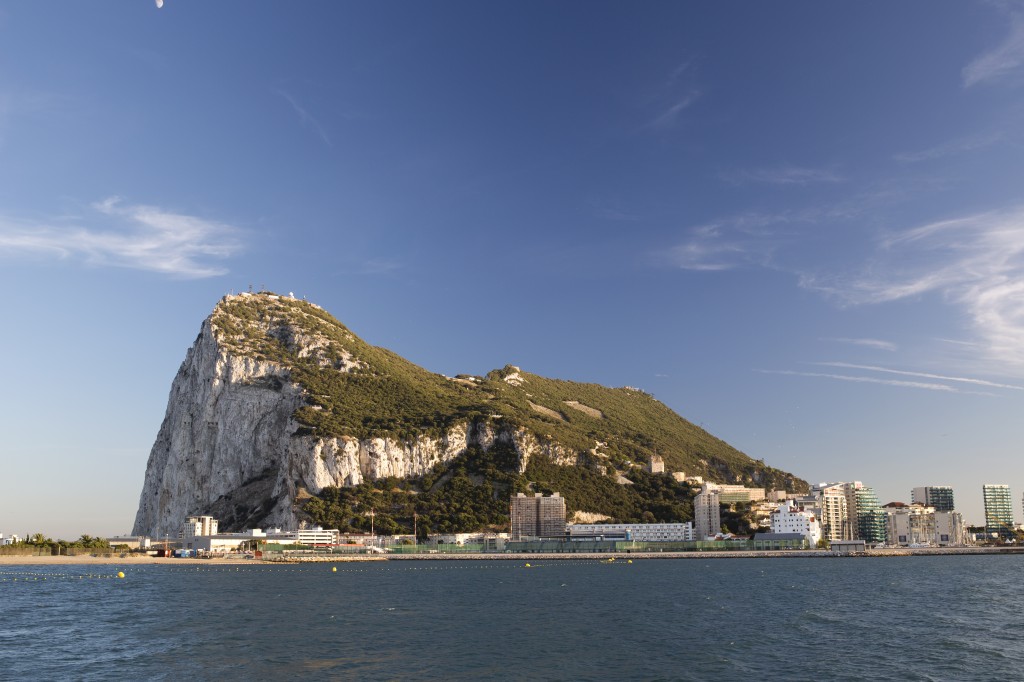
x=870, y=343
x=976, y=262
x=735, y=241
x=668, y=117
x=864, y=380
x=1000, y=62
x=305, y=118
x=782, y=175
x=718, y=246
x=952, y=148
x=922, y=375
x=134, y=236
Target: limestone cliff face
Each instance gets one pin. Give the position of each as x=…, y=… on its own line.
x=229, y=443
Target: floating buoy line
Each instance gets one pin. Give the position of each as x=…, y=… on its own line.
x=442, y=565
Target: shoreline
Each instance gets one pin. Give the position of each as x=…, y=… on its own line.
x=88, y=560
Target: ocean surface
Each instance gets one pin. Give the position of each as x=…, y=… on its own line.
x=902, y=618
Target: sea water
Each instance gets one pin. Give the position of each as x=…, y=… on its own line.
x=901, y=618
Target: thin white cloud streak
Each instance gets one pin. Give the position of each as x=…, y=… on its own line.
x=870, y=343
x=668, y=118
x=754, y=237
x=741, y=240
x=783, y=175
x=975, y=262
x=921, y=375
x=864, y=380
x=140, y=237
x=305, y=118
x=960, y=146
x=707, y=257
x=1000, y=62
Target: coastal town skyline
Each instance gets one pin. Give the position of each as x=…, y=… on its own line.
x=780, y=221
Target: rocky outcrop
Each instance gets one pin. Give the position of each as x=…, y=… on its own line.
x=229, y=444
x=276, y=399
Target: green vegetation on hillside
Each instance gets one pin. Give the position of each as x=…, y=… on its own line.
x=473, y=492
x=358, y=390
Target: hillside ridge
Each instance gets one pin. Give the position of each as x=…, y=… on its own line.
x=277, y=400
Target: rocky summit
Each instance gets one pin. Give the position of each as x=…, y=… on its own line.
x=277, y=403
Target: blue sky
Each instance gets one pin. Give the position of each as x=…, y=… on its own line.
x=798, y=224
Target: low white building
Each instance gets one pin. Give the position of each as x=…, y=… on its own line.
x=731, y=494
x=790, y=518
x=316, y=536
x=478, y=538
x=640, y=532
x=12, y=540
x=130, y=541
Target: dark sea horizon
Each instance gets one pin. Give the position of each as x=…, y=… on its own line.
x=899, y=618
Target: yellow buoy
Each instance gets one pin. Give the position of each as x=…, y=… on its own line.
x=120, y=574
x=334, y=569
x=527, y=565
x=629, y=561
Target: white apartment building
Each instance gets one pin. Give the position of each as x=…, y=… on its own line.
x=641, y=532
x=911, y=525
x=920, y=525
x=707, y=516
x=833, y=513
x=949, y=529
x=197, y=527
x=790, y=518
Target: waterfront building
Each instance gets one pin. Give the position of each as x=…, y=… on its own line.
x=848, y=547
x=790, y=518
x=998, y=511
x=938, y=496
x=870, y=518
x=537, y=516
x=910, y=525
x=707, y=514
x=832, y=510
x=640, y=532
x=949, y=529
x=777, y=541
x=920, y=525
